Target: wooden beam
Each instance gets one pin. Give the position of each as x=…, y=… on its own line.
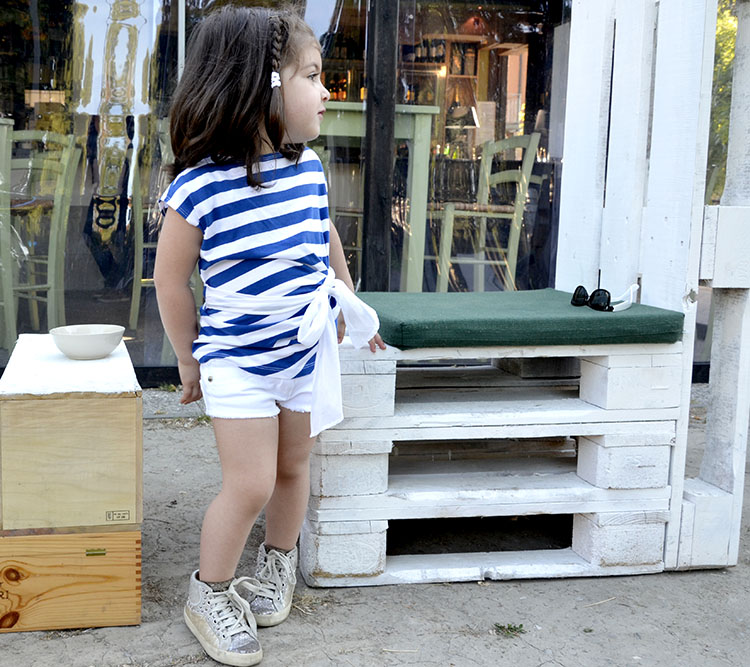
x=382, y=40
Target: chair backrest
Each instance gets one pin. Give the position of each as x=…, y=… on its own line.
x=42, y=168
x=521, y=177
x=491, y=151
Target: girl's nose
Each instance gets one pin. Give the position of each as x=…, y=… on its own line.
x=326, y=95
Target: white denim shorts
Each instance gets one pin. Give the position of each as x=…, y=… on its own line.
x=231, y=393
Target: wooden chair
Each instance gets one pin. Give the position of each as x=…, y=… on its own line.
x=37, y=170
x=490, y=246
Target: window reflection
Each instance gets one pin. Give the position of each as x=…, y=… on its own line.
x=490, y=68
x=100, y=73
x=103, y=72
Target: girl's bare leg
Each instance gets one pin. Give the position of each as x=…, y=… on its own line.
x=248, y=455
x=286, y=509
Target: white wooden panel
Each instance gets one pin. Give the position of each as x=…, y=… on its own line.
x=631, y=388
x=500, y=352
x=725, y=452
x=500, y=488
x=628, y=136
x=619, y=544
x=348, y=475
x=737, y=187
x=672, y=223
x=337, y=447
x=498, y=565
x=687, y=521
x=676, y=179
x=368, y=395
x=333, y=554
x=623, y=467
x=708, y=242
x=581, y=197
x=732, y=252
x=655, y=435
x=711, y=524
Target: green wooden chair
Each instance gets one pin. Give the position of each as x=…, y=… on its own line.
x=490, y=246
x=37, y=170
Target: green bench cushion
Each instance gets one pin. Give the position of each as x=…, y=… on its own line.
x=536, y=317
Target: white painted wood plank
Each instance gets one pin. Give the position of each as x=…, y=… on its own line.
x=732, y=251
x=581, y=197
x=618, y=544
x=725, y=452
x=678, y=153
x=713, y=524
x=627, y=518
x=521, y=352
x=487, y=493
x=425, y=431
x=685, y=548
x=501, y=565
x=708, y=243
x=435, y=414
x=478, y=376
x=681, y=145
x=628, y=137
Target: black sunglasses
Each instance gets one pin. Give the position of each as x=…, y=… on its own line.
x=601, y=299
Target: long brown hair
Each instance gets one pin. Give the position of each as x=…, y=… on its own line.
x=224, y=96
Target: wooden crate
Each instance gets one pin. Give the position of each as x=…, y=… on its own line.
x=61, y=581
x=70, y=439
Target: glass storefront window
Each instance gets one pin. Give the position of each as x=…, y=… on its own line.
x=469, y=74
x=491, y=76
x=99, y=74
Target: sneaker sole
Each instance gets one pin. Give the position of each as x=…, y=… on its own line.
x=269, y=620
x=224, y=657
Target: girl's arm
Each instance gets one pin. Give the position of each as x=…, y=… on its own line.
x=338, y=263
x=176, y=255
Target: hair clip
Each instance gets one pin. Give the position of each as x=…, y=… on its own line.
x=275, y=80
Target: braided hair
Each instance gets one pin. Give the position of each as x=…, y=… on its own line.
x=224, y=103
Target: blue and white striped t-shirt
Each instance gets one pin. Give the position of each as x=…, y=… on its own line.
x=270, y=241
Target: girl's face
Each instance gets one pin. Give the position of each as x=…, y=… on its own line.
x=304, y=97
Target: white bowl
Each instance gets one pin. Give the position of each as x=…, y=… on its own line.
x=87, y=341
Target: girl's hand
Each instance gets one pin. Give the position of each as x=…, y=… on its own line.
x=340, y=326
x=190, y=375
x=375, y=342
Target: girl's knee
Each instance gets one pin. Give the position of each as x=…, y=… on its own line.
x=251, y=497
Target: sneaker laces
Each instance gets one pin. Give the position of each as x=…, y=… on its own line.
x=276, y=569
x=232, y=613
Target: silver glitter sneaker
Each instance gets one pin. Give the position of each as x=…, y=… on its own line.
x=276, y=573
x=223, y=623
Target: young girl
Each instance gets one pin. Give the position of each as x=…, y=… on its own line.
x=249, y=203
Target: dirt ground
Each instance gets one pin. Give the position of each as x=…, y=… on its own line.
x=681, y=619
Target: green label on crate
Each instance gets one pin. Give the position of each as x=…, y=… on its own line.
x=96, y=552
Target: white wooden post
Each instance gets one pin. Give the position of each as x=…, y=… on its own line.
x=713, y=501
x=585, y=147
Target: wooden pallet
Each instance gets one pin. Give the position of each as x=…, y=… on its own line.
x=621, y=415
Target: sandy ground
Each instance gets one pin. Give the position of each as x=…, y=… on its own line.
x=697, y=618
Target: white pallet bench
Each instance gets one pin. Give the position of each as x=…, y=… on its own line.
x=622, y=413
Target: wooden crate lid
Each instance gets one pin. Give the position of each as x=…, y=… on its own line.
x=37, y=368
